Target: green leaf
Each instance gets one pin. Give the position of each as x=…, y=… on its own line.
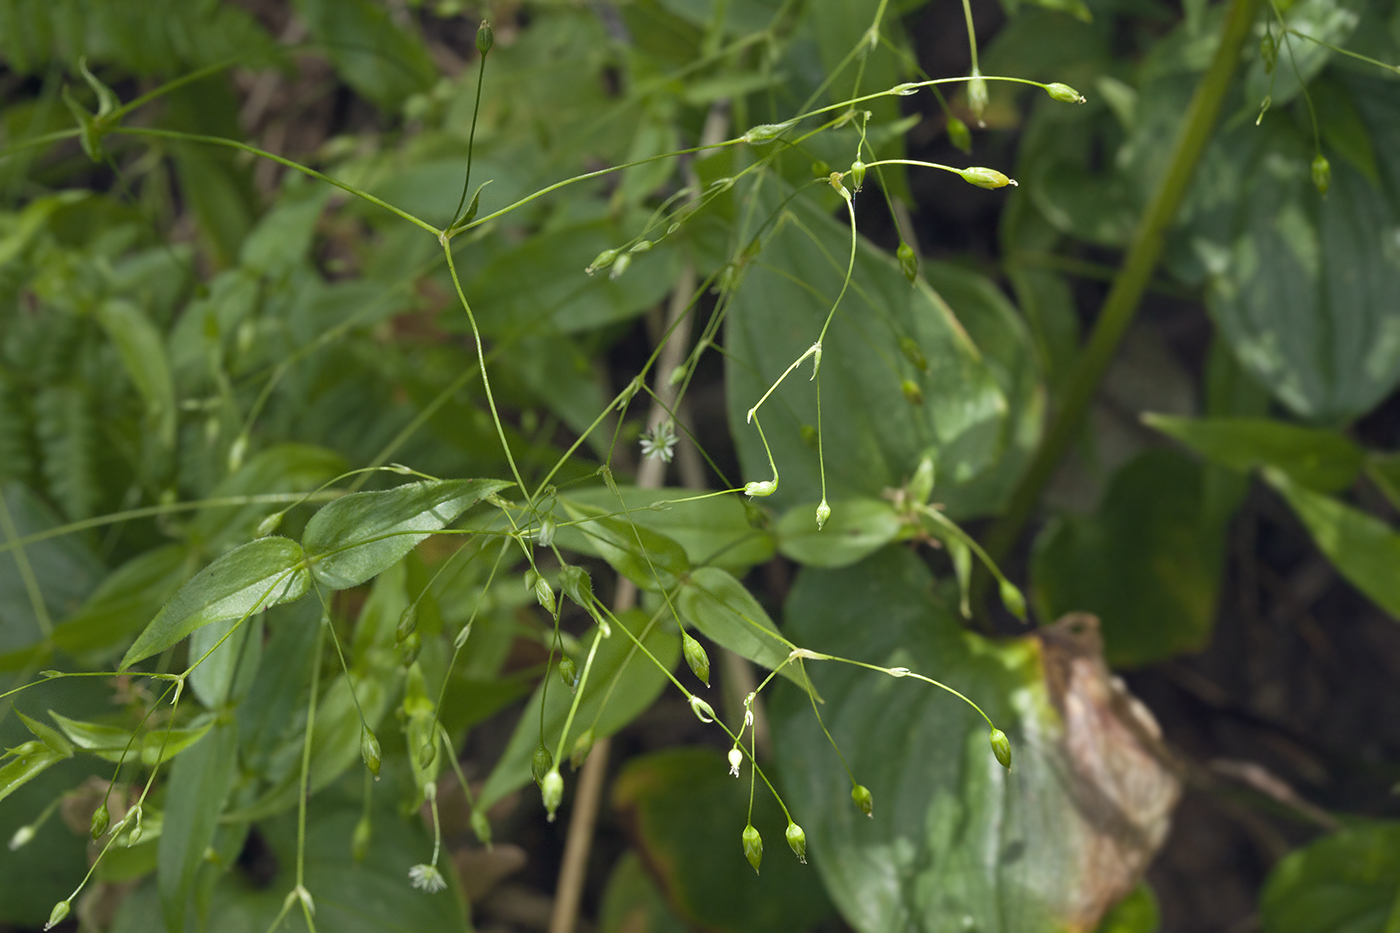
x=717, y=604
x=48, y=735
x=1364, y=549
x=280, y=468
x=1345, y=881
x=647, y=558
x=123, y=603
x=632, y=903
x=1384, y=471
x=955, y=841
x=199, y=782
x=356, y=537
x=227, y=673
x=1325, y=461
x=1136, y=913
x=379, y=60
x=686, y=813
x=1329, y=21
x=142, y=350
x=113, y=743
x=857, y=528
x=621, y=685
x=1148, y=562
x=28, y=761
x=254, y=577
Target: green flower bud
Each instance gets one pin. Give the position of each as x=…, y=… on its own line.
x=766, y=132
x=582, y=746
x=921, y=483
x=408, y=623
x=540, y=763
x=544, y=594
x=1001, y=747
x=369, y=750
x=753, y=847
x=761, y=488
x=60, y=910
x=602, y=260
x=545, y=535
x=820, y=169
x=1012, y=599
x=568, y=672
x=268, y=525
x=409, y=648
x=1268, y=52
x=485, y=37
x=858, y=173
x=913, y=353
x=977, y=98
x=959, y=135
x=797, y=842
x=359, y=842
x=823, y=514
x=481, y=825
x=696, y=657
x=620, y=266
x=912, y=393
x=1065, y=93
x=860, y=796
x=908, y=262
x=985, y=177
x=552, y=791
x=1321, y=174
x=576, y=584
x=427, y=754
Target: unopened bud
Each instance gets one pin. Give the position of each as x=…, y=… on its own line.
x=1001, y=747
x=485, y=37
x=913, y=353
x=985, y=177
x=1268, y=52
x=908, y=262
x=620, y=266
x=409, y=648
x=797, y=842
x=568, y=672
x=977, y=98
x=959, y=135
x=912, y=393
x=823, y=514
x=696, y=657
x=736, y=761
x=576, y=584
x=1321, y=174
x=602, y=260
x=481, y=825
x=753, y=847
x=582, y=746
x=268, y=525
x=60, y=910
x=858, y=174
x=860, y=796
x=551, y=792
x=544, y=594
x=921, y=483
x=22, y=837
x=1065, y=93
x=101, y=819
x=408, y=623
x=540, y=763
x=544, y=537
x=1012, y=599
x=359, y=842
x=820, y=169
x=369, y=750
x=761, y=488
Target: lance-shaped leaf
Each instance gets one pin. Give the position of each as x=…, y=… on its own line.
x=253, y=577
x=113, y=743
x=355, y=538
x=1323, y=460
x=30, y=759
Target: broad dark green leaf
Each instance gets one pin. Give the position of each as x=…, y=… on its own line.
x=199, y=782
x=1343, y=883
x=256, y=576
x=1148, y=563
x=647, y=558
x=956, y=842
x=1363, y=548
x=622, y=683
x=1322, y=460
x=687, y=813
x=356, y=537
x=717, y=604
x=114, y=743
x=857, y=528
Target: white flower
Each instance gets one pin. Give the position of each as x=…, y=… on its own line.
x=736, y=758
x=660, y=442
x=427, y=878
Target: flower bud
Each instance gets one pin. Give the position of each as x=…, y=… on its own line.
x=834, y=179
x=761, y=488
x=369, y=750
x=552, y=791
x=544, y=594
x=1001, y=747
x=766, y=132
x=1065, y=93
x=582, y=746
x=485, y=37
x=797, y=842
x=1012, y=599
x=959, y=135
x=912, y=393
x=696, y=657
x=577, y=585
x=620, y=266
x=602, y=260
x=858, y=174
x=1321, y=174
x=1268, y=52
x=540, y=764
x=977, y=98
x=408, y=623
x=702, y=710
x=823, y=514
x=268, y=525
x=481, y=825
x=22, y=837
x=913, y=353
x=544, y=537
x=409, y=648
x=101, y=819
x=985, y=177
x=359, y=842
x=906, y=89
x=568, y=672
x=921, y=483
x=820, y=169
x=860, y=796
x=427, y=754
x=736, y=761
x=908, y=262
x=60, y=910
x=753, y=847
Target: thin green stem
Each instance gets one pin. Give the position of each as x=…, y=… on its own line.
x=471, y=145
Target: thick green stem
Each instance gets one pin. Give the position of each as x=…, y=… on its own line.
x=1132, y=280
